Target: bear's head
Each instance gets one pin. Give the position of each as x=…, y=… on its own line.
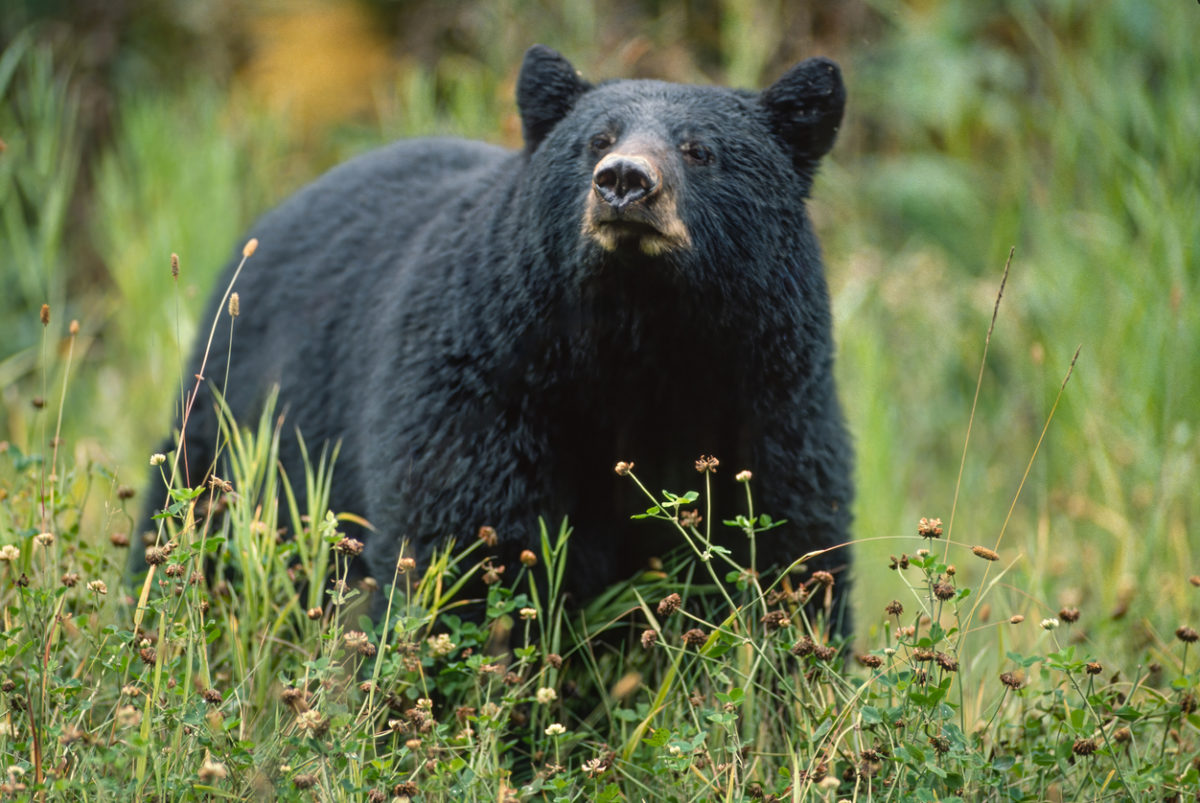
x=650, y=169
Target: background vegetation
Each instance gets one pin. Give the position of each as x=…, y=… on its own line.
x=135, y=130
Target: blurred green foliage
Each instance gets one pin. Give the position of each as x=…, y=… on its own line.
x=1057, y=127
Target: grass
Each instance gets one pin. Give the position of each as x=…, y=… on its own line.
x=1065, y=132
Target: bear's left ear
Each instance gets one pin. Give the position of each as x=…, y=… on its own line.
x=805, y=108
x=546, y=90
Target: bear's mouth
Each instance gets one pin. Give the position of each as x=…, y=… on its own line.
x=634, y=228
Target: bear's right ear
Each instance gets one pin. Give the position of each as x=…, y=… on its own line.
x=805, y=107
x=546, y=90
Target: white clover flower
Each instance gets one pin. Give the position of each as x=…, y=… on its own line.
x=1049, y=624
x=546, y=695
x=528, y=613
x=157, y=459
x=556, y=729
x=9, y=552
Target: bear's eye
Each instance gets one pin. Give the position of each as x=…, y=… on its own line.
x=600, y=143
x=696, y=153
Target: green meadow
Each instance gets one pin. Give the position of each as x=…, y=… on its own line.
x=1010, y=222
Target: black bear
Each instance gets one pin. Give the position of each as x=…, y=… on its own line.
x=488, y=332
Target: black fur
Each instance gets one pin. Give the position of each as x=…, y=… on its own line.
x=439, y=307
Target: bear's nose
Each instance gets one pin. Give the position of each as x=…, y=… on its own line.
x=621, y=180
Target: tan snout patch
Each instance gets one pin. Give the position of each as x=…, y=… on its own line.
x=652, y=225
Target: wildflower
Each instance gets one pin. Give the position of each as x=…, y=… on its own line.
x=1069, y=615
x=212, y=771
x=441, y=645
x=622, y=468
x=128, y=716
x=43, y=539
x=707, y=463
x=349, y=546
x=743, y=476
x=528, y=558
x=594, y=767
x=822, y=578
x=491, y=574
x=690, y=518
x=528, y=613
x=898, y=563
x=1186, y=634
x=312, y=723
x=694, y=637
x=929, y=528
x=9, y=552
x=1049, y=623
x=546, y=695
x=669, y=604
x=985, y=553
x=894, y=608
x=405, y=565
x=70, y=579
x=556, y=729
x=649, y=639
x=357, y=641
x=98, y=587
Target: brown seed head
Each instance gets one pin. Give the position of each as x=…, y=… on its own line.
x=174, y=266
x=528, y=558
x=822, y=578
x=894, y=608
x=555, y=660
x=1093, y=668
x=773, y=620
x=707, y=463
x=1016, y=619
x=690, y=518
x=119, y=539
x=235, y=305
x=1013, y=680
x=1186, y=634
x=156, y=555
x=694, y=637
x=1194, y=579
x=45, y=315
x=349, y=546
x=1122, y=735
x=929, y=528
x=870, y=661
x=405, y=565
x=669, y=604
x=70, y=579
x=125, y=492
x=73, y=329
x=148, y=655
x=946, y=662
x=405, y=789
x=314, y=613
x=943, y=591
x=212, y=696
x=940, y=743
x=824, y=653
x=985, y=553
x=649, y=639
x=622, y=468
x=1069, y=615
x=250, y=247
x=1084, y=747
x=304, y=781
x=803, y=647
